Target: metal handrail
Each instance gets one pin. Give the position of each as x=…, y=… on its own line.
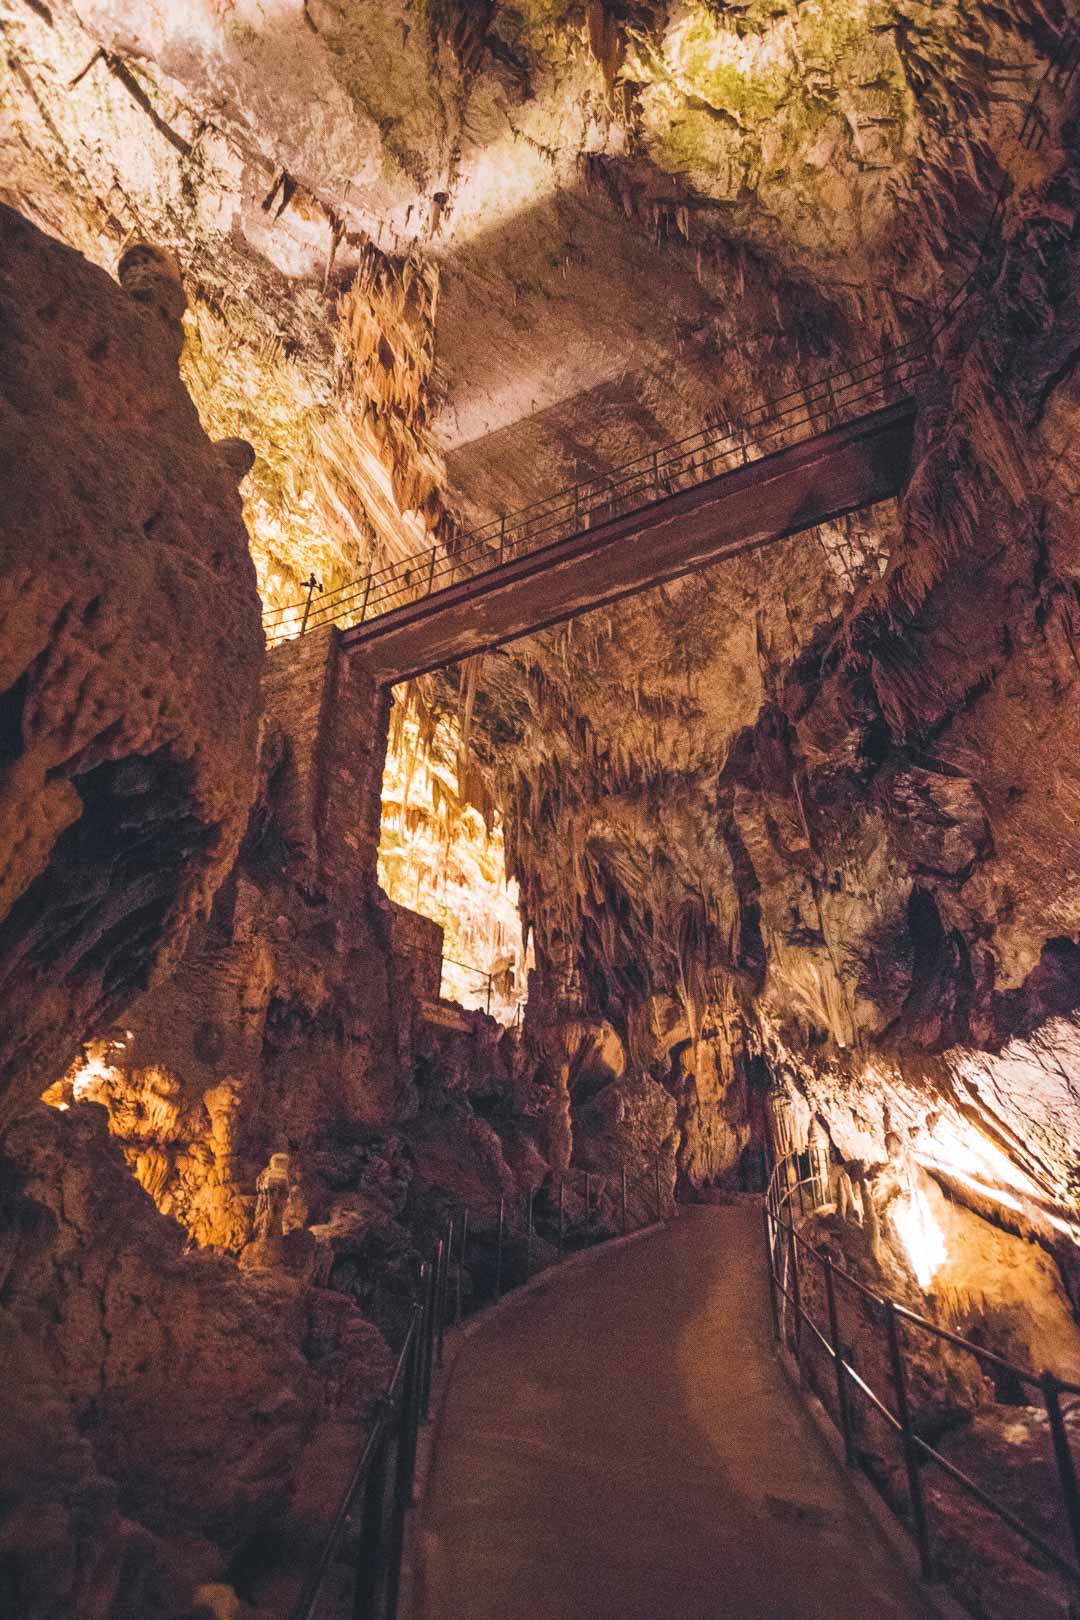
x=380, y=1490
x=782, y=1239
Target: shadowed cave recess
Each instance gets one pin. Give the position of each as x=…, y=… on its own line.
x=780, y=856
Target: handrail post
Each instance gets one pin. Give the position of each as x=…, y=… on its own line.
x=311, y=586
x=562, y=1215
x=502, y=536
x=445, y=1248
x=624, y=1200
x=656, y=474
x=659, y=1207
x=529, y=1239
x=770, y=1262
x=1062, y=1456
x=499, y=1252
x=796, y=1298
x=461, y=1260
x=838, y=1361
x=427, y=1281
x=367, y=593
x=911, y=1460
x=369, y=1560
x=412, y=1390
x=431, y=573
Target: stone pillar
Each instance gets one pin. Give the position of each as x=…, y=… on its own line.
x=265, y=1252
x=337, y=721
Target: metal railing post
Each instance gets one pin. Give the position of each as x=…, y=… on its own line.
x=412, y=1391
x=369, y=1559
x=529, y=1239
x=311, y=586
x=445, y=1248
x=502, y=536
x=437, y=1301
x=838, y=1361
x=427, y=1282
x=461, y=1260
x=499, y=1252
x=1062, y=1456
x=624, y=1200
x=771, y=1265
x=431, y=573
x=659, y=1208
x=402, y=1500
x=796, y=1301
x=911, y=1460
x=367, y=593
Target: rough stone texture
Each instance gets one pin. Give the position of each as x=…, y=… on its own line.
x=809, y=817
x=158, y=1406
x=304, y=1020
x=129, y=648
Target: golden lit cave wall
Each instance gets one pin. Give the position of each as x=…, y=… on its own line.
x=443, y=856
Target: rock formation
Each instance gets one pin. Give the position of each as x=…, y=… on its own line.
x=129, y=650
x=795, y=838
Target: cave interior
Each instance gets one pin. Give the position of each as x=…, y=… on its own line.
x=539, y=674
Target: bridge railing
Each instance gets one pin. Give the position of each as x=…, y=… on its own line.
x=800, y=414
x=502, y=1239
x=798, y=1270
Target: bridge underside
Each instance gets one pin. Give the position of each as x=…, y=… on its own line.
x=840, y=470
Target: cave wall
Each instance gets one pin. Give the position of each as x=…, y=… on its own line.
x=158, y=1404
x=875, y=857
x=129, y=649
x=305, y=1019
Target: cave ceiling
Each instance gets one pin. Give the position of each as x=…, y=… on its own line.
x=445, y=256
x=637, y=214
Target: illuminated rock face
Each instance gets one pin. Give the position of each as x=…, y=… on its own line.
x=129, y=652
x=300, y=1022
x=880, y=862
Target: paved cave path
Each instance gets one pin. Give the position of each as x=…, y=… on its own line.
x=622, y=1445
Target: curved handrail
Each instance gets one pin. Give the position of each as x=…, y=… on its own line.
x=785, y=1186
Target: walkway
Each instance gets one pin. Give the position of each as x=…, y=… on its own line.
x=692, y=511
x=624, y=1446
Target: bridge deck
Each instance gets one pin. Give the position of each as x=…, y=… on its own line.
x=792, y=489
